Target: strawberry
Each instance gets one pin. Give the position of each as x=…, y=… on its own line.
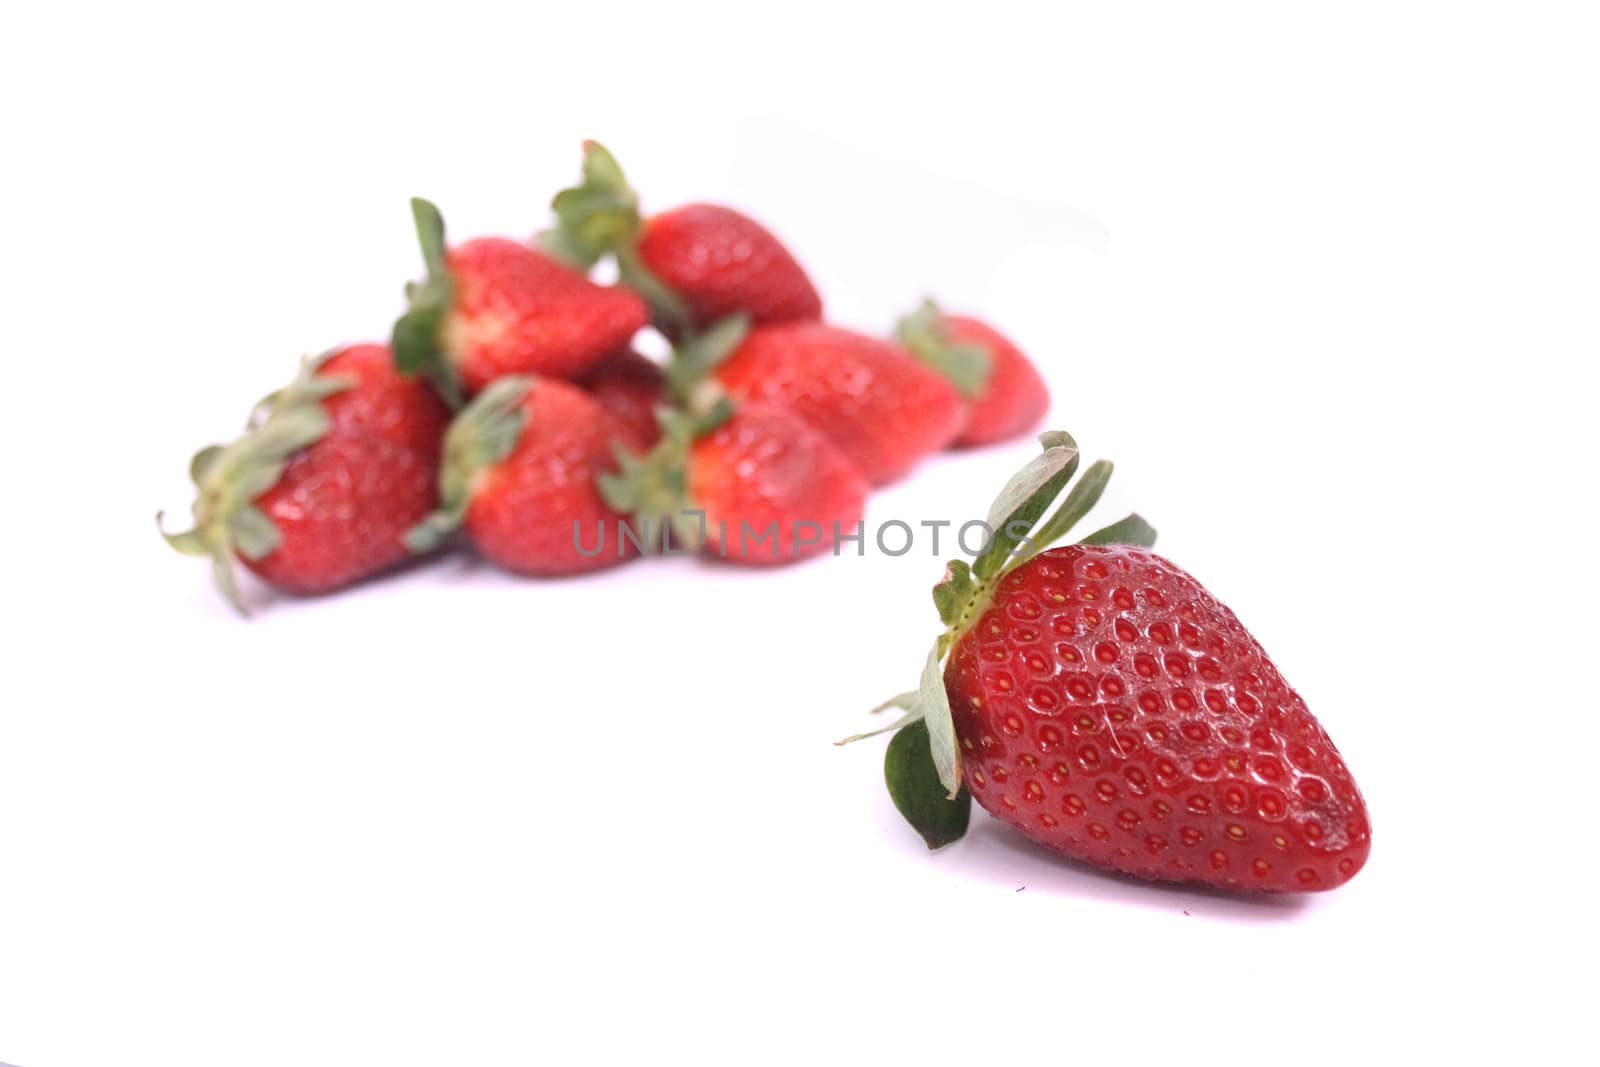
x=328, y=476
x=493, y=307
x=1005, y=395
x=755, y=485
x=751, y=482
x=695, y=264
x=1098, y=699
x=880, y=406
x=631, y=387
x=720, y=261
x=519, y=475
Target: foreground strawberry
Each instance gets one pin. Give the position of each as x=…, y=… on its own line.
x=1098, y=699
x=321, y=488
x=1005, y=395
x=631, y=387
x=881, y=407
x=519, y=475
x=695, y=264
x=493, y=307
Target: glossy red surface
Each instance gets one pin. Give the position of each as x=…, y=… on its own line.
x=1110, y=708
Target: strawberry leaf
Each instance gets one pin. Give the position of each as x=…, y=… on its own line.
x=654, y=488
x=253, y=534
x=601, y=169
x=1024, y=499
x=600, y=215
x=917, y=792
x=230, y=477
x=667, y=308
x=1132, y=530
x=227, y=581
x=697, y=355
x=934, y=704
x=288, y=430
x=486, y=432
x=560, y=245
x=203, y=461
x=924, y=333
x=435, y=529
x=953, y=594
x=187, y=542
x=1084, y=495
x=906, y=702
x=430, y=234
x=415, y=338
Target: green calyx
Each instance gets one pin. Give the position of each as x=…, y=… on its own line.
x=918, y=794
x=228, y=478
x=484, y=433
x=600, y=217
x=653, y=489
x=697, y=356
x=926, y=335
x=597, y=216
x=416, y=341
x=925, y=780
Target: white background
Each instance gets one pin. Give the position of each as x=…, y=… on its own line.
x=1322, y=284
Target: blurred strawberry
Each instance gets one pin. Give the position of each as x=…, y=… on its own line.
x=492, y=307
x=754, y=485
x=631, y=388
x=1005, y=395
x=876, y=402
x=519, y=475
x=695, y=264
x=328, y=476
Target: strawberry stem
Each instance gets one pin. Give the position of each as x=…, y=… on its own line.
x=600, y=217
x=486, y=432
x=415, y=340
x=925, y=334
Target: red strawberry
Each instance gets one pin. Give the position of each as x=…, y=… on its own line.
x=331, y=472
x=720, y=262
x=880, y=406
x=1165, y=743
x=631, y=387
x=695, y=264
x=493, y=307
x=1005, y=395
x=519, y=474
x=1098, y=699
x=765, y=468
x=756, y=485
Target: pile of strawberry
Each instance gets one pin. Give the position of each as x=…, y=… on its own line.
x=511, y=410
x=1095, y=697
